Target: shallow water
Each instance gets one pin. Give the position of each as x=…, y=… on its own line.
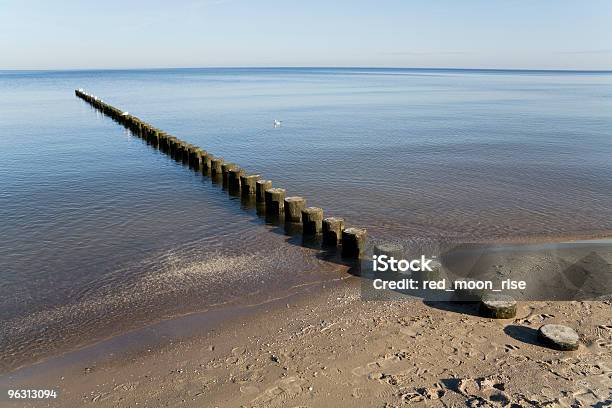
x=100, y=232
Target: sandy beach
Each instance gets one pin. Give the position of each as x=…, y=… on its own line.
x=327, y=347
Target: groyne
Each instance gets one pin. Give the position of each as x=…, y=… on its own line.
x=330, y=233
x=351, y=240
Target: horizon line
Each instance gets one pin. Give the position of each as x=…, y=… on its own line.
x=307, y=67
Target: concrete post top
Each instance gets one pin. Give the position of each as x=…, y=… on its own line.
x=251, y=176
x=498, y=300
x=276, y=190
x=355, y=231
x=294, y=198
x=561, y=337
x=226, y=167
x=386, y=248
x=236, y=172
x=313, y=212
x=264, y=181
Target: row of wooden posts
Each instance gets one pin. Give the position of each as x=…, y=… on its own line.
x=332, y=229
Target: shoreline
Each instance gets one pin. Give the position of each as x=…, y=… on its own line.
x=188, y=326
x=340, y=273
x=178, y=325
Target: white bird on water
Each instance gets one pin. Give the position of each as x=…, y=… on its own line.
x=277, y=123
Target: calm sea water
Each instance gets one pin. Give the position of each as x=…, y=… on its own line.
x=100, y=233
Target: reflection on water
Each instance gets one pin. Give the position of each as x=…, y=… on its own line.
x=100, y=232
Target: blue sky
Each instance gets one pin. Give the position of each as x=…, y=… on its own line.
x=540, y=34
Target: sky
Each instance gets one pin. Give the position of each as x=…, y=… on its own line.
x=521, y=34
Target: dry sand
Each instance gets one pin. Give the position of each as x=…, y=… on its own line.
x=329, y=348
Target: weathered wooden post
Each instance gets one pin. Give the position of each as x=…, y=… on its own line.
x=312, y=221
x=353, y=242
x=248, y=183
x=163, y=141
x=170, y=141
x=332, y=231
x=175, y=147
x=194, y=156
x=275, y=200
x=233, y=177
x=260, y=190
x=200, y=158
x=225, y=168
x=182, y=152
x=187, y=151
x=155, y=138
x=206, y=162
x=216, y=165
x=293, y=208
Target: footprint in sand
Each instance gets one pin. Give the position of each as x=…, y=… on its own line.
x=488, y=391
x=358, y=393
x=380, y=364
x=588, y=398
x=249, y=389
x=511, y=347
x=285, y=389
x=595, y=384
x=237, y=351
x=529, y=319
x=422, y=394
x=408, y=332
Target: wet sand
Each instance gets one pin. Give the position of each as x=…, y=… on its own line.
x=325, y=346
